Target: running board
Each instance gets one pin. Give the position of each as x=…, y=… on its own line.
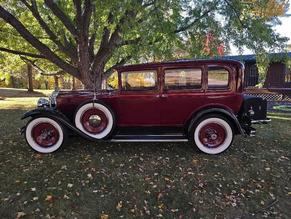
x=149, y=138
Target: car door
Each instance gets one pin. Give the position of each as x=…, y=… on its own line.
x=182, y=94
x=138, y=102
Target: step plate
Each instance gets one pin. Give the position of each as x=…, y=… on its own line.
x=149, y=138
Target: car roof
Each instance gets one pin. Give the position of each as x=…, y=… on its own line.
x=179, y=63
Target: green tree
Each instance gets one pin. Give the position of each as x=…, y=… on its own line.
x=88, y=38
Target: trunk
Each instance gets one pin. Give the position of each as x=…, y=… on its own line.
x=29, y=75
x=56, y=78
x=88, y=84
x=73, y=83
x=12, y=81
x=46, y=84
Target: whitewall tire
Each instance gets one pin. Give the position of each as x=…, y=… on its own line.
x=213, y=135
x=44, y=135
x=95, y=120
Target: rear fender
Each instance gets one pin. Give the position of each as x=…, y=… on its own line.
x=59, y=117
x=229, y=115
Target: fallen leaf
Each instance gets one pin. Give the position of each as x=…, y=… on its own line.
x=119, y=206
x=104, y=216
x=49, y=198
x=194, y=162
x=20, y=214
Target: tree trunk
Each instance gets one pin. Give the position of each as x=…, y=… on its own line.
x=56, y=78
x=73, y=83
x=29, y=76
x=87, y=81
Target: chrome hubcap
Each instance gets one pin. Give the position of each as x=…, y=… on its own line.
x=94, y=120
x=213, y=136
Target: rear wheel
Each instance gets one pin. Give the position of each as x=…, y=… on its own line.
x=213, y=134
x=95, y=120
x=44, y=134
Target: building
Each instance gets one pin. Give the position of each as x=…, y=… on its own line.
x=278, y=76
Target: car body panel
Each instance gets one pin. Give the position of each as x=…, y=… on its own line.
x=160, y=107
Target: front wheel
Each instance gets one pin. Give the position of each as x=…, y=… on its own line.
x=44, y=134
x=212, y=134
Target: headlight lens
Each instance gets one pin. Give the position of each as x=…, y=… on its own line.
x=53, y=99
x=43, y=102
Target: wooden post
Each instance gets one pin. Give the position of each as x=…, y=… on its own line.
x=29, y=75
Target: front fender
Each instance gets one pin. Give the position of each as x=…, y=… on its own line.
x=219, y=111
x=44, y=112
x=59, y=117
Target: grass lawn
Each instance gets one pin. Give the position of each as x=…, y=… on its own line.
x=125, y=180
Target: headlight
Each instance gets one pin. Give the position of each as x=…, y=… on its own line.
x=43, y=102
x=53, y=99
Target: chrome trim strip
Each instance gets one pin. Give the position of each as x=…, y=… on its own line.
x=149, y=140
x=261, y=121
x=165, y=135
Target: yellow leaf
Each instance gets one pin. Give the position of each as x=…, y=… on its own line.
x=194, y=162
x=104, y=216
x=119, y=206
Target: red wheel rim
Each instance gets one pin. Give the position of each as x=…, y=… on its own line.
x=212, y=135
x=45, y=134
x=94, y=121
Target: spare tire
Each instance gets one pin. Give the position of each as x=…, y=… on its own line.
x=95, y=120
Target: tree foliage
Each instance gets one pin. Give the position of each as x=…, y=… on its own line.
x=88, y=38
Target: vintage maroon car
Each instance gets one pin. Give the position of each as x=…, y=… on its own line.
x=200, y=101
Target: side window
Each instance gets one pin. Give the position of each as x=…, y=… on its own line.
x=111, y=83
x=183, y=79
x=218, y=77
x=139, y=80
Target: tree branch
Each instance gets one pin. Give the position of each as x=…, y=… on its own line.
x=42, y=48
x=46, y=28
x=86, y=16
x=191, y=24
x=108, y=45
x=237, y=14
x=15, y=52
x=62, y=17
x=42, y=72
x=119, y=63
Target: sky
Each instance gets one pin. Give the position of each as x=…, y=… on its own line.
x=284, y=30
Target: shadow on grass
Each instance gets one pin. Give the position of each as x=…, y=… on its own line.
x=13, y=92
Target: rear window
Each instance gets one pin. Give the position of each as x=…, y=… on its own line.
x=218, y=77
x=183, y=79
